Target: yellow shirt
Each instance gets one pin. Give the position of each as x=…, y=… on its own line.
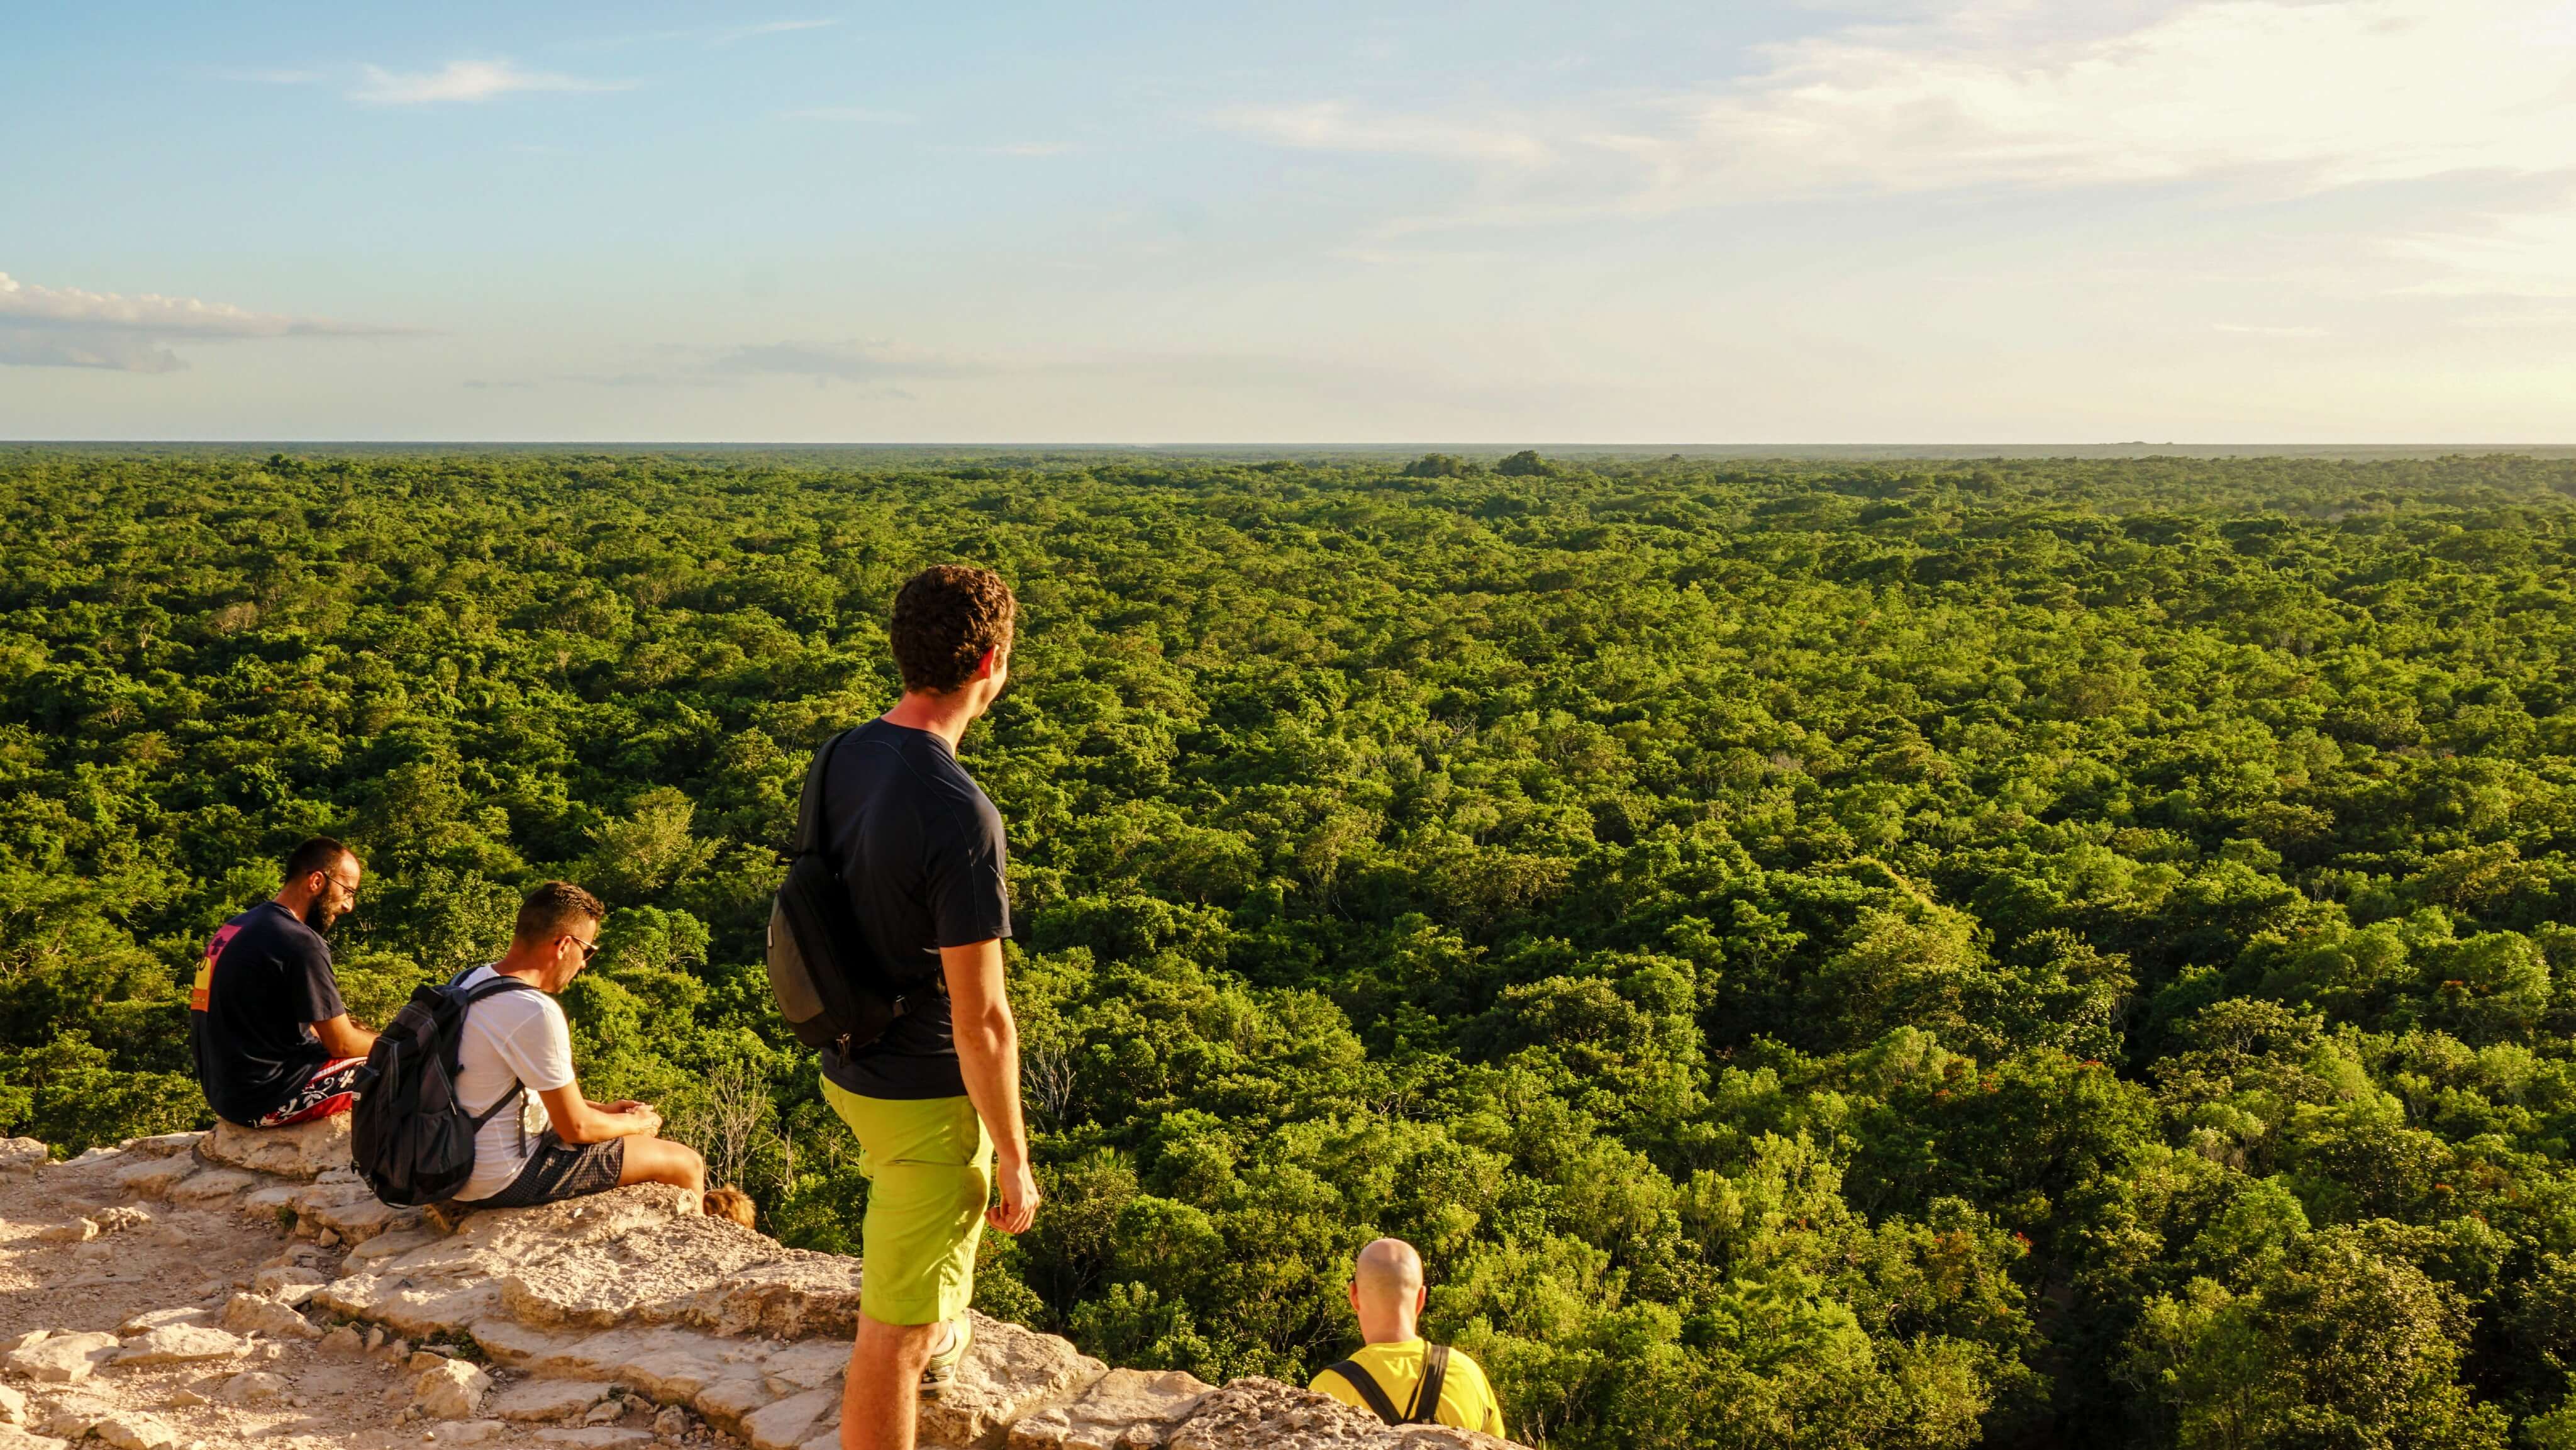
x=1466, y=1401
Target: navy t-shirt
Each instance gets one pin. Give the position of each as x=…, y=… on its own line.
x=265, y=978
x=920, y=847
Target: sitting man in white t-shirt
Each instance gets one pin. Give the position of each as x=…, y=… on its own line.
x=558, y=1144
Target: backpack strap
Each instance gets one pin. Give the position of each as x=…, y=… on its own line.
x=499, y=984
x=1426, y=1393
x=1361, y=1380
x=809, y=802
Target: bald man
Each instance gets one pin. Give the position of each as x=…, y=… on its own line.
x=1396, y=1376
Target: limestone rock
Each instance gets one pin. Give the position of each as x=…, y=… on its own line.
x=13, y=1402
x=71, y=1416
x=153, y=1177
x=788, y=1423
x=77, y=1231
x=180, y=1344
x=155, y=1318
x=344, y=1343
x=673, y=1422
x=797, y=1293
x=1008, y=1372
x=253, y=1387
x=727, y=1401
x=123, y=1216
x=807, y=1365
x=305, y=1150
x=596, y=1437
x=21, y=1155
x=549, y=1400
x=452, y=1391
x=135, y=1430
x=22, y=1339
x=209, y=1186
x=469, y=1432
x=167, y=1145
x=62, y=1358
x=1263, y=1414
x=259, y=1314
x=13, y=1438
x=1127, y=1409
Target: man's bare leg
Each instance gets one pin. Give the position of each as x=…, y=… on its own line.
x=659, y=1160
x=881, y=1393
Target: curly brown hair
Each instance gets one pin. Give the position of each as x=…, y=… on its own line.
x=945, y=617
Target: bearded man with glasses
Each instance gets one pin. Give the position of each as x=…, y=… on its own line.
x=273, y=1041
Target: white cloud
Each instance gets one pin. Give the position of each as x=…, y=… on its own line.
x=2249, y=329
x=71, y=327
x=2532, y=255
x=1338, y=126
x=466, y=80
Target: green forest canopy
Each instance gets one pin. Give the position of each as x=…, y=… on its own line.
x=2012, y=952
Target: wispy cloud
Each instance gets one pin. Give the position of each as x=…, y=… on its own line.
x=1341, y=126
x=1030, y=148
x=466, y=80
x=774, y=27
x=868, y=114
x=837, y=362
x=72, y=327
x=2249, y=329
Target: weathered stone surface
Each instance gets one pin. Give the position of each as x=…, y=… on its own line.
x=349, y=1210
x=135, y=1430
x=651, y=1272
x=807, y=1365
x=164, y=1146
x=253, y=1387
x=788, y=1423
x=596, y=1437
x=386, y=1245
x=725, y=1402
x=424, y=1306
x=210, y=1186
x=71, y=1231
x=795, y=1294
x=509, y=1342
x=22, y=1339
x=1125, y=1408
x=181, y=1343
x=13, y=1438
x=70, y=1416
x=673, y=1422
x=469, y=1432
x=123, y=1216
x=155, y=1318
x=1263, y=1414
x=305, y=1151
x=549, y=1400
x=286, y=1276
x=152, y=1177
x=259, y=1314
x=21, y=1155
x=13, y=1405
x=62, y=1359
x=1008, y=1372
x=343, y=1342
x=451, y=1390
x=663, y=1361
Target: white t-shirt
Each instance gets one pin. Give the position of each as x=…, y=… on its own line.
x=510, y=1038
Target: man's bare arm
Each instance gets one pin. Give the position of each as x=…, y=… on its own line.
x=988, y=1055
x=576, y=1119
x=341, y=1037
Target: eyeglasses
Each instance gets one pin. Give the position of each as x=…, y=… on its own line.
x=589, y=949
x=350, y=887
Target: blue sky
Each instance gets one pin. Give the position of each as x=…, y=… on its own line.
x=1874, y=221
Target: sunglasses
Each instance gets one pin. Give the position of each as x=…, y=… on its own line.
x=589, y=949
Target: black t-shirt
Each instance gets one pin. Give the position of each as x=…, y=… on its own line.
x=920, y=847
x=265, y=978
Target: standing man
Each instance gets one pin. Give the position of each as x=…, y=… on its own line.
x=273, y=1041
x=1396, y=1376
x=936, y=1099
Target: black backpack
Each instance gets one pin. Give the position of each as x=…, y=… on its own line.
x=408, y=1135
x=1426, y=1392
x=826, y=979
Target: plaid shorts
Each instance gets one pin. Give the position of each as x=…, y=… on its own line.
x=329, y=1090
x=558, y=1170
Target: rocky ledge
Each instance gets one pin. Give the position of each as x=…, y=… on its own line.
x=631, y=1298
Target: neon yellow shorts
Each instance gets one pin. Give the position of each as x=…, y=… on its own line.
x=929, y=1167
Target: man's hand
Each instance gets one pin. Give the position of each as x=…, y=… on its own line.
x=1019, y=1206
